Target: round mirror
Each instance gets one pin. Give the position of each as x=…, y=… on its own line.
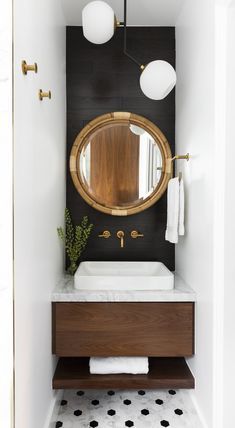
x=120, y=163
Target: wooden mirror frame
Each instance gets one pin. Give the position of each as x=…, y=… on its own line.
x=121, y=118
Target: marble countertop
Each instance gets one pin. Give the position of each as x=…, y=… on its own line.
x=65, y=292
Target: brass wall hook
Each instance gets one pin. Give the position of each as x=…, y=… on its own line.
x=42, y=94
x=28, y=67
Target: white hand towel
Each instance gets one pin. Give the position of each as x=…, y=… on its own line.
x=172, y=211
x=119, y=365
x=181, y=207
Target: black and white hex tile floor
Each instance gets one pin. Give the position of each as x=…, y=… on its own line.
x=121, y=409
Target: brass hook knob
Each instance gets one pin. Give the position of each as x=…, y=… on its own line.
x=42, y=94
x=120, y=235
x=105, y=234
x=136, y=234
x=28, y=67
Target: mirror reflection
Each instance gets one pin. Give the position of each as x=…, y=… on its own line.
x=120, y=164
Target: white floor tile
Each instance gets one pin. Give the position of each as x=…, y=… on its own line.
x=121, y=409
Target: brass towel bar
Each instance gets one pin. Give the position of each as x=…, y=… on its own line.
x=176, y=157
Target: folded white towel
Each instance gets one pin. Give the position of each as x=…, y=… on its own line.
x=172, y=211
x=181, y=207
x=118, y=365
x=175, y=210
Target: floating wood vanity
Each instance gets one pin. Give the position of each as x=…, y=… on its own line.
x=116, y=329
x=161, y=330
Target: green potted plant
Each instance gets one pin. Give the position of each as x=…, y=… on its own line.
x=75, y=239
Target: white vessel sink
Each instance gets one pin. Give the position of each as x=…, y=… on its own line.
x=123, y=276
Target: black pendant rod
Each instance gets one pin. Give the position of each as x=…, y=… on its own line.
x=125, y=37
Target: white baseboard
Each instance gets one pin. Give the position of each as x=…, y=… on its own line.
x=197, y=408
x=52, y=415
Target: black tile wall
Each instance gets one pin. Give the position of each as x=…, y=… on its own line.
x=100, y=79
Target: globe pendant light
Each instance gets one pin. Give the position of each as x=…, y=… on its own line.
x=98, y=22
x=157, y=79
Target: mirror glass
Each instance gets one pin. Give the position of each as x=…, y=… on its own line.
x=119, y=164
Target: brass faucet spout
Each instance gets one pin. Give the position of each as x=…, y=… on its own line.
x=120, y=235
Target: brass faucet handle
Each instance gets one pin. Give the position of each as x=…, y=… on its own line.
x=120, y=235
x=136, y=234
x=105, y=234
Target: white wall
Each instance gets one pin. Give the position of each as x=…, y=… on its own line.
x=195, y=134
x=229, y=227
x=140, y=12
x=39, y=186
x=6, y=217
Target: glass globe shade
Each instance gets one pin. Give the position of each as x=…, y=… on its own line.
x=98, y=22
x=157, y=80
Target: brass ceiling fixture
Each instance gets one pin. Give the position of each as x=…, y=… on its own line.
x=99, y=22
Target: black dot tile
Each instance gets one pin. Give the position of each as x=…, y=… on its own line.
x=179, y=412
x=129, y=424
x=127, y=402
x=94, y=424
x=80, y=393
x=110, y=414
x=165, y=423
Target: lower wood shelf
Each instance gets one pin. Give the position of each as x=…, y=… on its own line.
x=73, y=373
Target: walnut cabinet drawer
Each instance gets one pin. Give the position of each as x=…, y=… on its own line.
x=116, y=329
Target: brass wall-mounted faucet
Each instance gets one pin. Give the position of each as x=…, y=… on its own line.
x=120, y=235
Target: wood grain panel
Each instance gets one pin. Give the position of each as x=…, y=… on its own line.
x=163, y=373
x=131, y=329
x=114, y=170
